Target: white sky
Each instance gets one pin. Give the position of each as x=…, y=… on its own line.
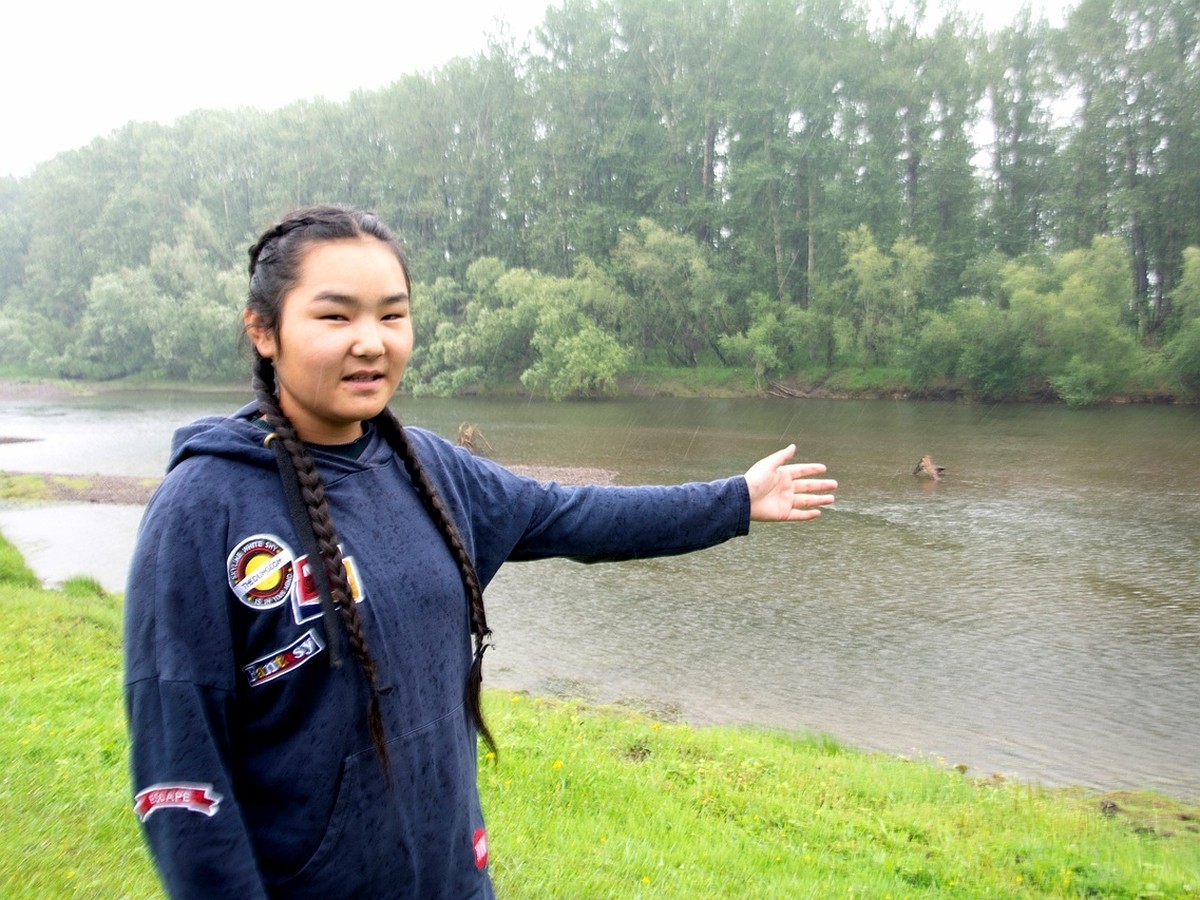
x=77, y=69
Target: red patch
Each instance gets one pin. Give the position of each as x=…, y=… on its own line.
x=481, y=848
x=200, y=798
x=306, y=600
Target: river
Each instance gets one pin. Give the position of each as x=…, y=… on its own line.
x=1035, y=614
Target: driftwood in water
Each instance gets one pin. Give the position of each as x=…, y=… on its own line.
x=927, y=466
x=469, y=435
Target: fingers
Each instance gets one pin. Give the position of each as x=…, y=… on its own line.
x=803, y=470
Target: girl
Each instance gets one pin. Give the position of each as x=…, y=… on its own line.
x=304, y=613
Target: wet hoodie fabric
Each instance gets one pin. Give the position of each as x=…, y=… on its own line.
x=253, y=769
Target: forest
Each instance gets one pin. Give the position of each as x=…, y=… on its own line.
x=792, y=195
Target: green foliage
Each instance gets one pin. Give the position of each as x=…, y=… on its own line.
x=1076, y=339
x=521, y=325
x=764, y=345
x=935, y=353
x=678, y=306
x=1183, y=356
x=1185, y=299
x=16, y=344
x=884, y=293
x=115, y=335
x=993, y=361
x=576, y=358
x=682, y=159
x=585, y=363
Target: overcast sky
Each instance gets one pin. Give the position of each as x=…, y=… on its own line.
x=77, y=69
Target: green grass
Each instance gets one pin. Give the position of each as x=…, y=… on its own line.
x=16, y=486
x=613, y=804
x=66, y=829
x=588, y=802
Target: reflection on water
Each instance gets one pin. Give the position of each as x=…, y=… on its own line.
x=1037, y=613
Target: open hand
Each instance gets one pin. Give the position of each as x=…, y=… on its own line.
x=787, y=493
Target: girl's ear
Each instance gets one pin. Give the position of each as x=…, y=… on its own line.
x=262, y=337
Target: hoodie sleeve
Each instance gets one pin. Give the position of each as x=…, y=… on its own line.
x=179, y=703
x=515, y=518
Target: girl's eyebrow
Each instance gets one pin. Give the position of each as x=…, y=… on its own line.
x=347, y=300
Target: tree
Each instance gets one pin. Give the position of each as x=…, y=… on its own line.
x=1134, y=157
x=1182, y=347
x=1020, y=89
x=678, y=308
x=884, y=291
x=575, y=357
x=115, y=336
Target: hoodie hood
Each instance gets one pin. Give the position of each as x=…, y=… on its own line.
x=232, y=437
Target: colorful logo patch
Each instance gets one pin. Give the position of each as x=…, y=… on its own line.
x=481, y=848
x=283, y=661
x=261, y=571
x=198, y=798
x=306, y=601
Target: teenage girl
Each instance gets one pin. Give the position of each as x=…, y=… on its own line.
x=304, y=613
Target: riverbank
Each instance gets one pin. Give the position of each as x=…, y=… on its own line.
x=588, y=801
x=701, y=382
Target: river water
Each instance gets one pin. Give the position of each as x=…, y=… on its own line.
x=1036, y=614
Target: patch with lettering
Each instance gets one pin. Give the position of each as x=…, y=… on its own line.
x=286, y=660
x=261, y=571
x=197, y=798
x=481, y=848
x=306, y=601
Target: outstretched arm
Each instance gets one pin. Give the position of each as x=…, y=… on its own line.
x=780, y=492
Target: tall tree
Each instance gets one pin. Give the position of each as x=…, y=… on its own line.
x=1136, y=67
x=1020, y=91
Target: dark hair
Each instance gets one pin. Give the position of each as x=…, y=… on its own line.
x=275, y=264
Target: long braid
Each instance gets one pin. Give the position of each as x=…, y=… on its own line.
x=389, y=426
x=316, y=503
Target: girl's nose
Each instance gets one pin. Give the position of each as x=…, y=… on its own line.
x=367, y=341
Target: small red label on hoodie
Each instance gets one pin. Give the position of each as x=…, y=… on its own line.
x=481, y=848
x=199, y=798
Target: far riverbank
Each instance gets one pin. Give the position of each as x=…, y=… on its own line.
x=700, y=382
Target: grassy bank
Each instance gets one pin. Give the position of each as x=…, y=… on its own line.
x=586, y=802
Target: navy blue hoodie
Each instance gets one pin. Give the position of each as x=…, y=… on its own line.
x=253, y=769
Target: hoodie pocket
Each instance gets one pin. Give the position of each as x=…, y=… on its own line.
x=413, y=838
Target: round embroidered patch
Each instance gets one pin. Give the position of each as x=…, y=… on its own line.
x=261, y=571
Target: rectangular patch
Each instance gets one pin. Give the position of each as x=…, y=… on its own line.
x=286, y=660
x=306, y=601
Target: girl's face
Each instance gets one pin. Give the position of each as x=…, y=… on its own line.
x=343, y=338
